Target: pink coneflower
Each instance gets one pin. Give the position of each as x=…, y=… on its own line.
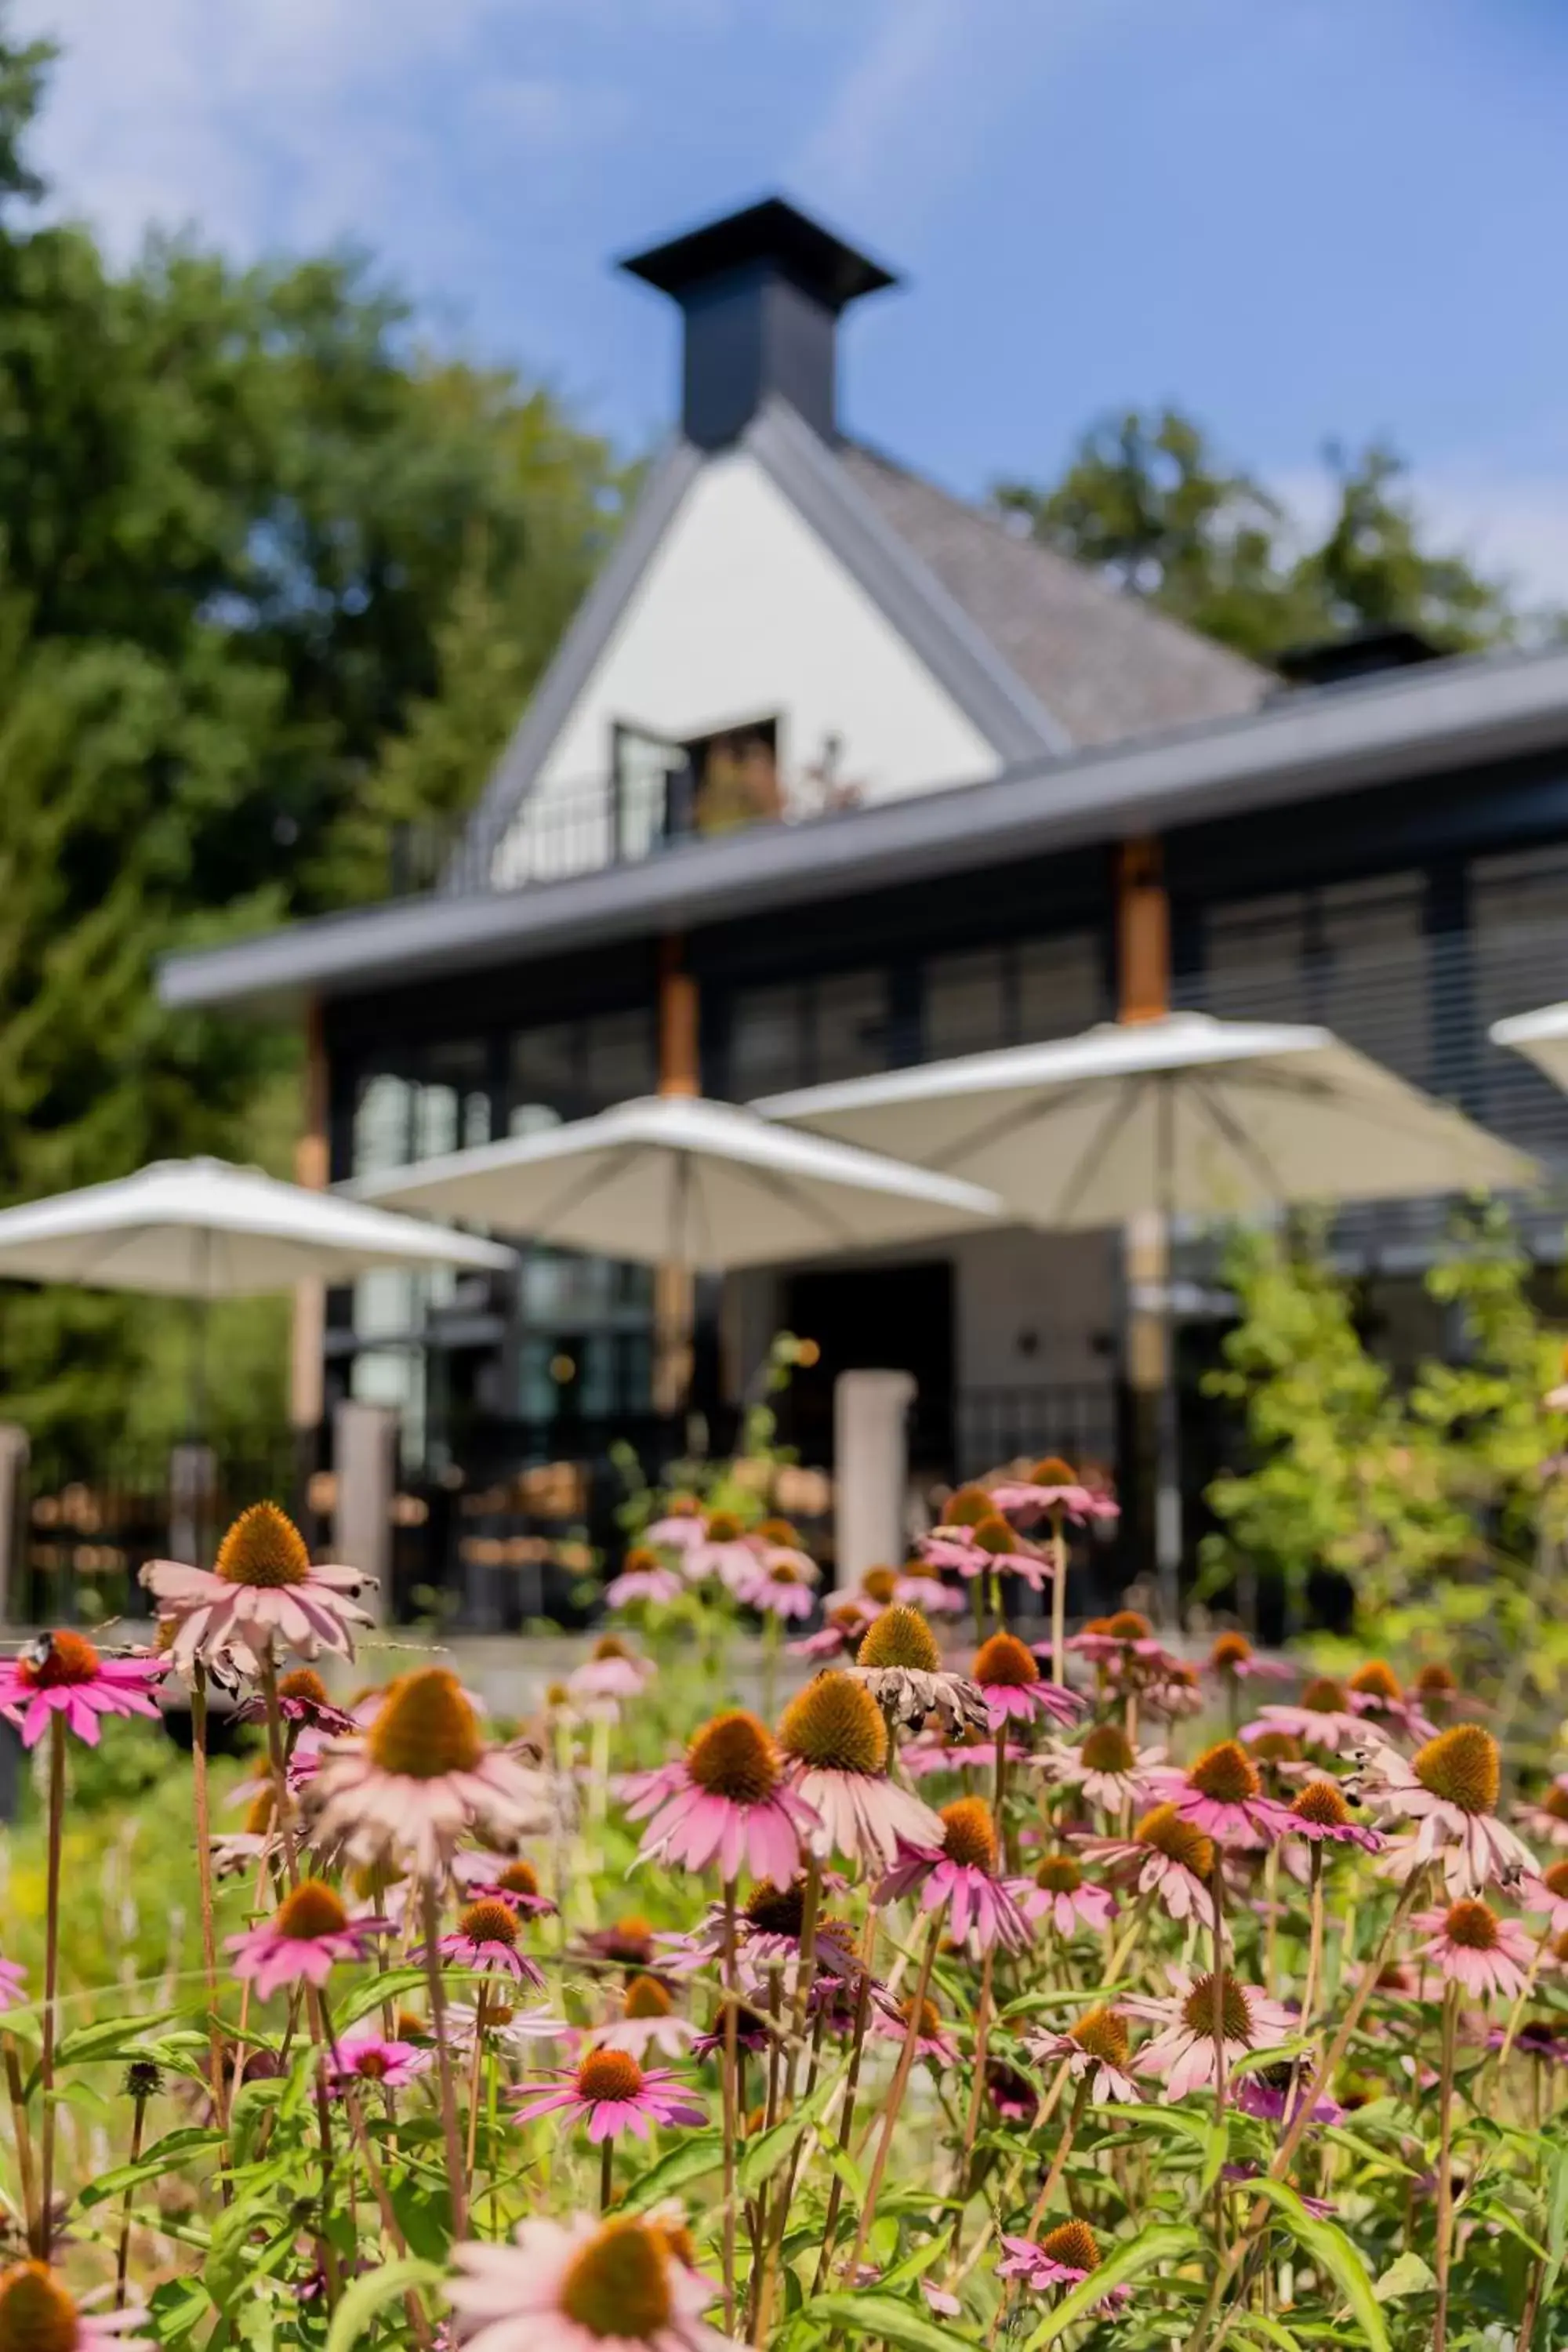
x=990, y=1547
x=901, y=1665
x=836, y=1746
x=932, y=2042
x=1222, y=1795
x=1053, y=1488
x=647, y=2020
x=13, y=1976
x=614, y=2093
x=970, y=1754
x=1321, y=1814
x=642, y=1579
x=1472, y=1946
x=1064, y=1898
x=1449, y=1789
x=1546, y=1818
x=421, y=1776
x=1265, y=2094
x=1547, y=1896
x=1104, y=1766
x=581, y=2286
x=982, y=1909
x=1124, y=1647
x=1176, y=1693
x=37, y=2314
x=1233, y=1659
x=486, y=1938
x=513, y=1882
x=262, y=1594
x=1012, y=2095
x=839, y=1636
x=627, y=1943
x=1166, y=1856
x=308, y=1933
x=724, y=1549
x=778, y=1590
x=368, y=2058
x=1063, y=2257
x=302, y=1698
x=1322, y=1717
x=681, y=1526
x=610, y=1671
x=1182, y=2053
x=726, y=1800
x=62, y=1673
x=1374, y=1691
x=914, y=1588
x=1014, y=1689
x=1096, y=2051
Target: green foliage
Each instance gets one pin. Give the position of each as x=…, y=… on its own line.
x=1146, y=500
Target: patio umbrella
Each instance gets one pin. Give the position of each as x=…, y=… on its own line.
x=1541, y=1037
x=1185, y=1116
x=672, y=1179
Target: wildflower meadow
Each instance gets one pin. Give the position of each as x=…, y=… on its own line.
x=939, y=1976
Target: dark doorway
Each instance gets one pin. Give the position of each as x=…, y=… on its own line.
x=894, y=1319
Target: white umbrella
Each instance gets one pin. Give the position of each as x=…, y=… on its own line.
x=1185, y=1115
x=672, y=1179
x=1541, y=1037
x=204, y=1229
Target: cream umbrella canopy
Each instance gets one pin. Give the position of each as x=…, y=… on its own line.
x=1184, y=1116
x=1541, y=1037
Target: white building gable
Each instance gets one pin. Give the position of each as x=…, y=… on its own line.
x=743, y=615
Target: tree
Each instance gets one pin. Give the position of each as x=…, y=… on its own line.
x=1146, y=501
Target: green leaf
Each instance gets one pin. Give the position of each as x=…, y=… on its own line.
x=1408, y=2274
x=372, y=1993
x=112, y=2037
x=1168, y=2243
x=764, y=2154
x=373, y=2293
x=1331, y=2251
x=696, y=2153
x=171, y=2150
x=867, y=2315
x=1269, y=2331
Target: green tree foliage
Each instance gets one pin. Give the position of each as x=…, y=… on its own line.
x=1146, y=500
x=271, y=577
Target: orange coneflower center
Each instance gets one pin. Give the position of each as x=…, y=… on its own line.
x=1473, y=1927
x=311, y=1909
x=1227, y=1774
x=518, y=1878
x=619, y=2284
x=1053, y=1471
x=1274, y=1747
x=1555, y=1880
x=303, y=1682
x=994, y=1535
x=263, y=1548
x=1463, y=1767
x=68, y=1658
x=1435, y=1682
x=371, y=1879
x=929, y=2023
x=678, y=2239
x=425, y=1727
x=1059, y=1874
x=684, y=1507
x=37, y=2314
x=490, y=1921
x=835, y=1724
x=969, y=1833
x=724, y=1528
x=1376, y=1680
x=1236, y=2013
x=1102, y=2033
x=781, y=1532
x=968, y=1507
x=639, y=1560
x=609, y=1646
x=372, y=2064
x=776, y=1910
x=1323, y=1695
x=900, y=1637
x=1129, y=1625
x=784, y=1571
x=880, y=1584
x=1322, y=1803
x=1177, y=1840
x=1230, y=1650
x=259, y=1813
x=1071, y=2243
x=609, y=2074
x=629, y=1939
x=1554, y=1804
x=645, y=1997
x=1107, y=1748
x=1006, y=1661
x=733, y=1757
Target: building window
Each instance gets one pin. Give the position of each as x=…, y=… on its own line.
x=967, y=1003
x=1353, y=956
x=1020, y=992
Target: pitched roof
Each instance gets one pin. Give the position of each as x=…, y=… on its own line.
x=1106, y=667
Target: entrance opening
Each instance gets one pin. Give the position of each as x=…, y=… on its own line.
x=896, y=1318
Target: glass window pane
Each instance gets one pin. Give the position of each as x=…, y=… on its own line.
x=767, y=1042
x=966, y=1004
x=382, y=1125
x=618, y=1058
x=1061, y=986
x=851, y=1025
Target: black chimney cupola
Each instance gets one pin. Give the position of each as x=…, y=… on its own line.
x=761, y=293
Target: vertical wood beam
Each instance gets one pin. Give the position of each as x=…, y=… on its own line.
x=1142, y=932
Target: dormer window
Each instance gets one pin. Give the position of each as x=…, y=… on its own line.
x=668, y=788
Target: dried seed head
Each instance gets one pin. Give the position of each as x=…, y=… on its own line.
x=835, y=1724
x=144, y=2078
x=645, y=1997
x=1473, y=1927
x=900, y=1637
x=1006, y=1661
x=263, y=1548
x=1107, y=1748
x=303, y=1682
x=1102, y=2033
x=311, y=1909
x=37, y=2314
x=1178, y=1841
x=776, y=1910
x=490, y=1921
x=969, y=1833
x=618, y=2285
x=1235, y=2012
x=733, y=1757
x=1376, y=1680
x=1227, y=1774
x=609, y=2074
x=425, y=1727
x=1463, y=1767
x=1322, y=1803
x=1071, y=2243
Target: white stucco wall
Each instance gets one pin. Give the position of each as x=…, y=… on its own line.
x=743, y=613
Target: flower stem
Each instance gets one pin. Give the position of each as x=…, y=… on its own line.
x=202, y=1801
x=1064, y=2149
x=895, y=2095
x=731, y=2022
x=123, y=2259
x=443, y=2055
x=52, y=1973
x=851, y=2085
x=1446, y=2165
x=1058, y=1602
x=275, y=1757
x=1216, y=1897
x=24, y=2145
x=606, y=2172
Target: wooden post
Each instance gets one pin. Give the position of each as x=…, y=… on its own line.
x=1142, y=932
x=1143, y=979
x=312, y=1167
x=679, y=1073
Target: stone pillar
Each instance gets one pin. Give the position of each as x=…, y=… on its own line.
x=193, y=1483
x=871, y=1472
x=1143, y=990
x=13, y=1517
x=364, y=1452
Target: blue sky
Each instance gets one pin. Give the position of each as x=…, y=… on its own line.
x=1296, y=218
